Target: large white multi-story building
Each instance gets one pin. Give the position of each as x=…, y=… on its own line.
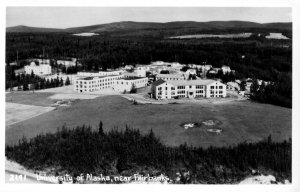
x=41, y=69
x=126, y=84
x=187, y=88
x=94, y=83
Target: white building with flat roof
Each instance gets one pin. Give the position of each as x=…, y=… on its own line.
x=187, y=88
x=126, y=84
x=93, y=83
x=41, y=69
x=117, y=80
x=67, y=63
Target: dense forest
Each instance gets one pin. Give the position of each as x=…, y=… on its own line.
x=126, y=152
x=254, y=57
x=277, y=93
x=31, y=81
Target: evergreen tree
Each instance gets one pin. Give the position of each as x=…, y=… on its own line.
x=67, y=81
x=25, y=86
x=61, y=83
x=100, y=128
x=243, y=86
x=133, y=89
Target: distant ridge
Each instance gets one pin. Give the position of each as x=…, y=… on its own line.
x=130, y=25
x=27, y=29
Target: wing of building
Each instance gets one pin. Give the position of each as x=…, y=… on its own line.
x=93, y=81
x=162, y=89
x=41, y=69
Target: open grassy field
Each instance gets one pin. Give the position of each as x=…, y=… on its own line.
x=240, y=121
x=16, y=112
x=29, y=98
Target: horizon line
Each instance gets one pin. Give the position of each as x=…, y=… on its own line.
x=146, y=22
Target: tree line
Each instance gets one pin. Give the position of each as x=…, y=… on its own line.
x=31, y=81
x=277, y=93
x=84, y=149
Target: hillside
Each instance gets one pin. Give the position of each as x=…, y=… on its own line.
x=27, y=29
x=176, y=25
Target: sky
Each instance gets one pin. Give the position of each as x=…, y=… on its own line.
x=65, y=17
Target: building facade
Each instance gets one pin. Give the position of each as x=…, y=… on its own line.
x=67, y=63
x=94, y=83
x=187, y=88
x=126, y=84
x=41, y=69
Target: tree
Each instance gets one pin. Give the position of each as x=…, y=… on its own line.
x=192, y=77
x=254, y=87
x=25, y=86
x=42, y=84
x=48, y=84
x=100, y=128
x=133, y=89
x=184, y=68
x=61, y=82
x=243, y=86
x=67, y=81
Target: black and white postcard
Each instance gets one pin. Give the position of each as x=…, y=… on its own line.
x=188, y=96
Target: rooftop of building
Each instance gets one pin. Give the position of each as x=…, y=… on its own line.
x=158, y=82
x=91, y=71
x=192, y=82
x=88, y=71
x=185, y=82
x=132, y=78
x=170, y=75
x=86, y=78
x=94, y=77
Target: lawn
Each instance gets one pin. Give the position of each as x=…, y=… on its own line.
x=240, y=121
x=30, y=98
x=16, y=112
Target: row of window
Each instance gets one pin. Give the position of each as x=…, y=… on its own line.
x=93, y=82
x=90, y=90
x=213, y=87
x=136, y=82
x=183, y=87
x=91, y=86
x=216, y=92
x=169, y=78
